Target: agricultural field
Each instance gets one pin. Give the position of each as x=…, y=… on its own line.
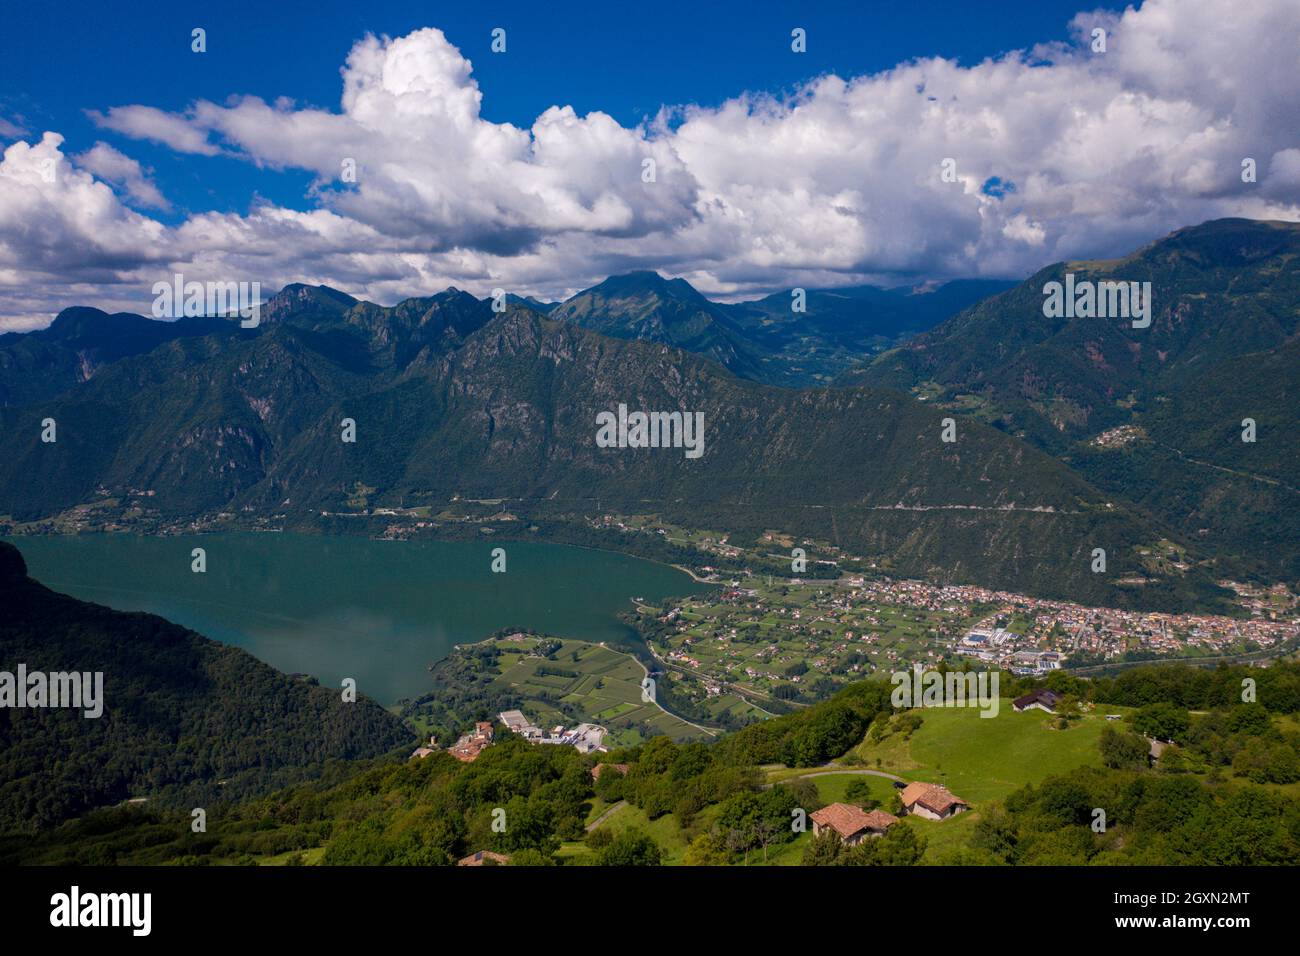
x=795, y=642
x=603, y=684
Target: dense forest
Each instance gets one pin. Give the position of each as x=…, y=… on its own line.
x=1200, y=803
x=1151, y=819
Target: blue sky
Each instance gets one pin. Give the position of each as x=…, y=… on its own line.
x=622, y=59
x=913, y=142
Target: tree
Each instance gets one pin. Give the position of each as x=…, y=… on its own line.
x=610, y=785
x=766, y=833
x=1162, y=721
x=739, y=841
x=824, y=850
x=858, y=792
x=1250, y=719
x=995, y=834
x=630, y=848
x=1123, y=751
x=530, y=857
x=707, y=849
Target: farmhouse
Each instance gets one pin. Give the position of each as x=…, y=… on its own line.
x=1043, y=699
x=851, y=823
x=931, y=801
x=421, y=752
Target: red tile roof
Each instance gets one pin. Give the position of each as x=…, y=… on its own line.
x=933, y=797
x=846, y=819
x=880, y=820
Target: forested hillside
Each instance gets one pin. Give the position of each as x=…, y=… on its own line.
x=1155, y=415
x=1219, y=794
x=186, y=722
x=446, y=408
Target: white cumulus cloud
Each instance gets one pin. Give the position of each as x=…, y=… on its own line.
x=1059, y=152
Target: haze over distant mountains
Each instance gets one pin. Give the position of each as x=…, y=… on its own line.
x=767, y=340
x=453, y=399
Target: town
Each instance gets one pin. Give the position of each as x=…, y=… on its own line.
x=799, y=640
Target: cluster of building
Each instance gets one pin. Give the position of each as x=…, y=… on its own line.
x=1065, y=628
x=853, y=824
x=587, y=738
x=997, y=645
x=466, y=748
x=745, y=638
x=470, y=745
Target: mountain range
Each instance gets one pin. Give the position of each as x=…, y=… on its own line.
x=1155, y=414
x=767, y=339
x=452, y=400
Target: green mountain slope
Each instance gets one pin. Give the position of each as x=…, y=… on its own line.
x=644, y=305
x=186, y=722
x=251, y=425
x=840, y=329
x=1186, y=460
x=765, y=340
x=1224, y=795
x=39, y=365
x=1220, y=348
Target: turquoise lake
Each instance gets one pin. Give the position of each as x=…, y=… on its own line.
x=334, y=607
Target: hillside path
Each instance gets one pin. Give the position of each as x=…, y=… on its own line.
x=830, y=768
x=606, y=815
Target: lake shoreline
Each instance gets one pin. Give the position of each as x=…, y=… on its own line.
x=334, y=605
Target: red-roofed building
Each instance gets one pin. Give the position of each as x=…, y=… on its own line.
x=851, y=823
x=931, y=801
x=469, y=746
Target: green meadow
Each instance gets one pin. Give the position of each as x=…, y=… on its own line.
x=980, y=758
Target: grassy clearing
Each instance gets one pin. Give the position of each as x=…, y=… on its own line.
x=983, y=759
x=943, y=836
x=310, y=857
